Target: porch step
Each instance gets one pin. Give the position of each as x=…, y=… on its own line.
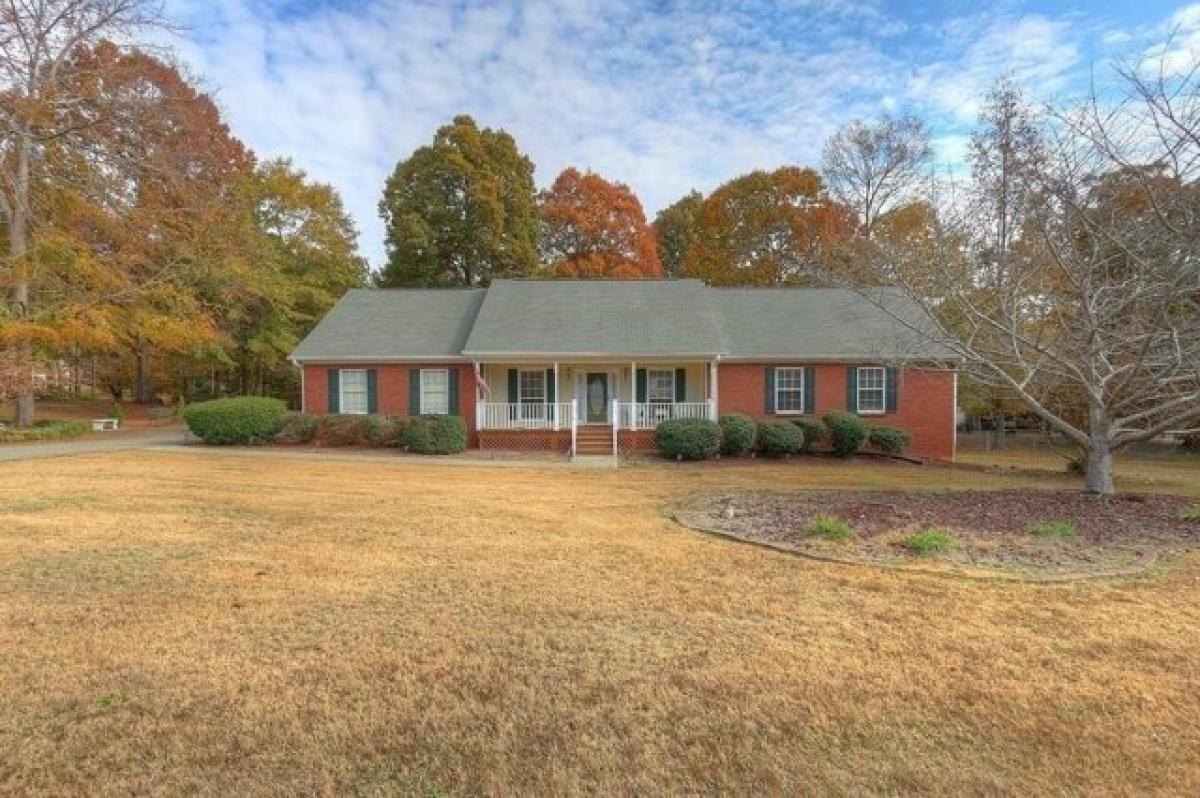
x=593, y=440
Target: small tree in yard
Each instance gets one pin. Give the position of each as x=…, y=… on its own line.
x=1082, y=291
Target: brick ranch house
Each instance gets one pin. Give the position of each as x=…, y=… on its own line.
x=583, y=366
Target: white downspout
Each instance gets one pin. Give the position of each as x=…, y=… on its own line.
x=714, y=398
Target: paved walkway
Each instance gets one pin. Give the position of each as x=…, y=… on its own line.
x=110, y=442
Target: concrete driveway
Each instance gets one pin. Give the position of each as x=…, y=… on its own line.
x=107, y=442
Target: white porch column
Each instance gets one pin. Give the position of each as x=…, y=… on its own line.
x=554, y=406
x=712, y=390
x=633, y=423
x=478, y=394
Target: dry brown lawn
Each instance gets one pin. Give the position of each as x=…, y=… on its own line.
x=173, y=623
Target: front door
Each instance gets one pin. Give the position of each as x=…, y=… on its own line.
x=596, y=398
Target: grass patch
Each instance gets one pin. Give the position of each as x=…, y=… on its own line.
x=113, y=700
x=47, y=430
x=830, y=527
x=1053, y=529
x=929, y=542
x=1190, y=514
x=361, y=627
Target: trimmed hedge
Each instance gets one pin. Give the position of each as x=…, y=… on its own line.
x=889, y=440
x=380, y=430
x=847, y=432
x=340, y=430
x=689, y=438
x=296, y=428
x=738, y=434
x=814, y=431
x=779, y=438
x=435, y=434
x=239, y=419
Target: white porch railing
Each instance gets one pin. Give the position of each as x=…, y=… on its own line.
x=509, y=415
x=648, y=415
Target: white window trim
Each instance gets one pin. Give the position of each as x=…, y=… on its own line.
x=882, y=391
x=803, y=379
x=545, y=393
x=421, y=399
x=342, y=393
x=651, y=401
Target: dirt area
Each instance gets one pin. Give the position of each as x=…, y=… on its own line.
x=990, y=529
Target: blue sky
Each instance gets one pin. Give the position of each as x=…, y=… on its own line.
x=665, y=96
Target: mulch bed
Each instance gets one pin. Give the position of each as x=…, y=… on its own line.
x=1116, y=535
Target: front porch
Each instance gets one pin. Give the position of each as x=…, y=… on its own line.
x=569, y=407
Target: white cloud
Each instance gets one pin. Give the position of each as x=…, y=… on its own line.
x=664, y=97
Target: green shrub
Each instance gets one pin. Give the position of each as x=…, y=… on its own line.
x=240, y=419
x=45, y=430
x=689, y=438
x=435, y=434
x=847, y=432
x=889, y=440
x=738, y=434
x=118, y=412
x=779, y=438
x=830, y=528
x=813, y=430
x=296, y=428
x=1053, y=529
x=341, y=430
x=929, y=541
x=1190, y=514
x=380, y=430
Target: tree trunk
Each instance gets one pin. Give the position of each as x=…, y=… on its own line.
x=18, y=245
x=141, y=389
x=1099, y=454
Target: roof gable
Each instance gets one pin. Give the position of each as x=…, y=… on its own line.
x=596, y=317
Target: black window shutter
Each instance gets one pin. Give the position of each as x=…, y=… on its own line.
x=550, y=386
x=893, y=394
x=452, y=392
x=769, y=398
x=641, y=385
x=513, y=387
x=810, y=389
x=372, y=392
x=852, y=389
x=414, y=392
x=680, y=385
x=334, y=404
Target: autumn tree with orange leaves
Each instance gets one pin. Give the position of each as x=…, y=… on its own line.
x=770, y=228
x=595, y=228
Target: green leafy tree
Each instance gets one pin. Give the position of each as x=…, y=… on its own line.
x=675, y=227
x=460, y=211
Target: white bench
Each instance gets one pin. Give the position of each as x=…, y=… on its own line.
x=105, y=424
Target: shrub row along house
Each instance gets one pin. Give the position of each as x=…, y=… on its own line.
x=594, y=366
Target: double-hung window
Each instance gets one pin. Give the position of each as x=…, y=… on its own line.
x=789, y=390
x=353, y=398
x=435, y=392
x=872, y=389
x=531, y=394
x=660, y=386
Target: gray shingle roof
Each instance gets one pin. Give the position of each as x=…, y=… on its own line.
x=393, y=324
x=565, y=318
x=596, y=317
x=826, y=324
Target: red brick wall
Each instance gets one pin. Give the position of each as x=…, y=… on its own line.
x=391, y=381
x=925, y=402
